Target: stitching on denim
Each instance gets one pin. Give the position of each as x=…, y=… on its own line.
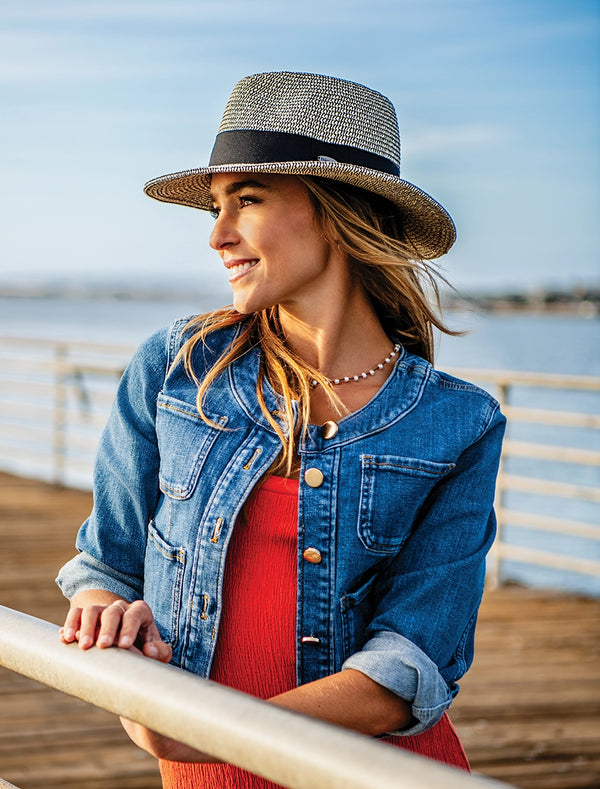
x=177, y=554
x=250, y=463
x=448, y=467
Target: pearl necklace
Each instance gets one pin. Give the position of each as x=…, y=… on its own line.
x=350, y=378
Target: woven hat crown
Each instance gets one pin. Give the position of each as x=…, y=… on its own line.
x=325, y=108
x=288, y=123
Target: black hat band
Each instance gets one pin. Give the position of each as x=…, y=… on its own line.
x=249, y=146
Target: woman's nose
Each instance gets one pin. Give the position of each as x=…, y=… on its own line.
x=224, y=233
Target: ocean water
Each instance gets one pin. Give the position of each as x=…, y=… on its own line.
x=523, y=342
x=513, y=341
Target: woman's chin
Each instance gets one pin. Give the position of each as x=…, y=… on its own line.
x=245, y=304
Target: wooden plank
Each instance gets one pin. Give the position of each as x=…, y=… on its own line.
x=528, y=711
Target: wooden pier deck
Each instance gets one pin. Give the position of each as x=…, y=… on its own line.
x=528, y=711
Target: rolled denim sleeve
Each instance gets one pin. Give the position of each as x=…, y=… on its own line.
x=400, y=666
x=420, y=639
x=112, y=541
x=85, y=572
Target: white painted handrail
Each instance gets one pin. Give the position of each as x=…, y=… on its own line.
x=282, y=746
x=505, y=382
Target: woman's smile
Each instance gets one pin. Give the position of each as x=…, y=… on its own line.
x=238, y=267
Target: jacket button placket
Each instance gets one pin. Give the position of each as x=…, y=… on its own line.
x=315, y=592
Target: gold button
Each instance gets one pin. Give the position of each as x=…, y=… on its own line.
x=312, y=555
x=313, y=477
x=329, y=429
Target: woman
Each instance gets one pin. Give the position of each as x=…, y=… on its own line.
x=288, y=497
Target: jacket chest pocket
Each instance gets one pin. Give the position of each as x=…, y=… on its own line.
x=184, y=441
x=393, y=490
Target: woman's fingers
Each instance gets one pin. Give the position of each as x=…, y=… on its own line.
x=111, y=623
x=88, y=619
x=158, y=650
x=122, y=624
x=139, y=629
x=136, y=621
x=68, y=631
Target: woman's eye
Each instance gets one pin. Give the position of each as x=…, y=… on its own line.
x=247, y=200
x=214, y=212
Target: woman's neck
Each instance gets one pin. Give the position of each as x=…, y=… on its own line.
x=338, y=339
x=342, y=340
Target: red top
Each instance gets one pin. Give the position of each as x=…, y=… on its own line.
x=255, y=650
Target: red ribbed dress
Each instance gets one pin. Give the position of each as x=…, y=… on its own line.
x=255, y=650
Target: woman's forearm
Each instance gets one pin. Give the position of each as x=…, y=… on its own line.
x=352, y=700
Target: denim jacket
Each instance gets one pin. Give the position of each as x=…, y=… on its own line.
x=397, y=506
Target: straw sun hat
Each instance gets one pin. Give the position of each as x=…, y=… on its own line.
x=308, y=124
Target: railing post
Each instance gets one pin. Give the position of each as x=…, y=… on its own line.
x=494, y=558
x=60, y=414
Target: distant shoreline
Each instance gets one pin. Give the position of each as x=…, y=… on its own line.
x=578, y=302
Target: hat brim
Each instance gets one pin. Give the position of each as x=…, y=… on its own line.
x=427, y=224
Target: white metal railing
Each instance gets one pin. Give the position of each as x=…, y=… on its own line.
x=55, y=397
x=282, y=746
x=506, y=384
x=54, y=400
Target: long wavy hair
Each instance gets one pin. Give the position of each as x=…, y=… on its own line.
x=404, y=292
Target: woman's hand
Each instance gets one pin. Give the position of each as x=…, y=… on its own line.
x=112, y=621
x=162, y=747
x=102, y=619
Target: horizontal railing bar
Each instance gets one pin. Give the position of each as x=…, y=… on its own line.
x=86, y=435
x=21, y=451
x=547, y=559
x=69, y=369
x=549, y=487
x=77, y=345
x=44, y=409
x=27, y=384
x=548, y=417
x=514, y=377
x=62, y=367
x=282, y=746
x=530, y=520
x=588, y=457
x=9, y=390
x=83, y=418
x=6, y=785
x=40, y=460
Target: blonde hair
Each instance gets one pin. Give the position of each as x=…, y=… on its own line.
x=368, y=229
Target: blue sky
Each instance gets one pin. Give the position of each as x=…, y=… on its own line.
x=498, y=103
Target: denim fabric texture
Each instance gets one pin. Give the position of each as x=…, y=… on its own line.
x=403, y=518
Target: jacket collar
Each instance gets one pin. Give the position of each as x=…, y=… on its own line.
x=396, y=398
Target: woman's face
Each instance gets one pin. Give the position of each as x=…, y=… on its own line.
x=268, y=238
